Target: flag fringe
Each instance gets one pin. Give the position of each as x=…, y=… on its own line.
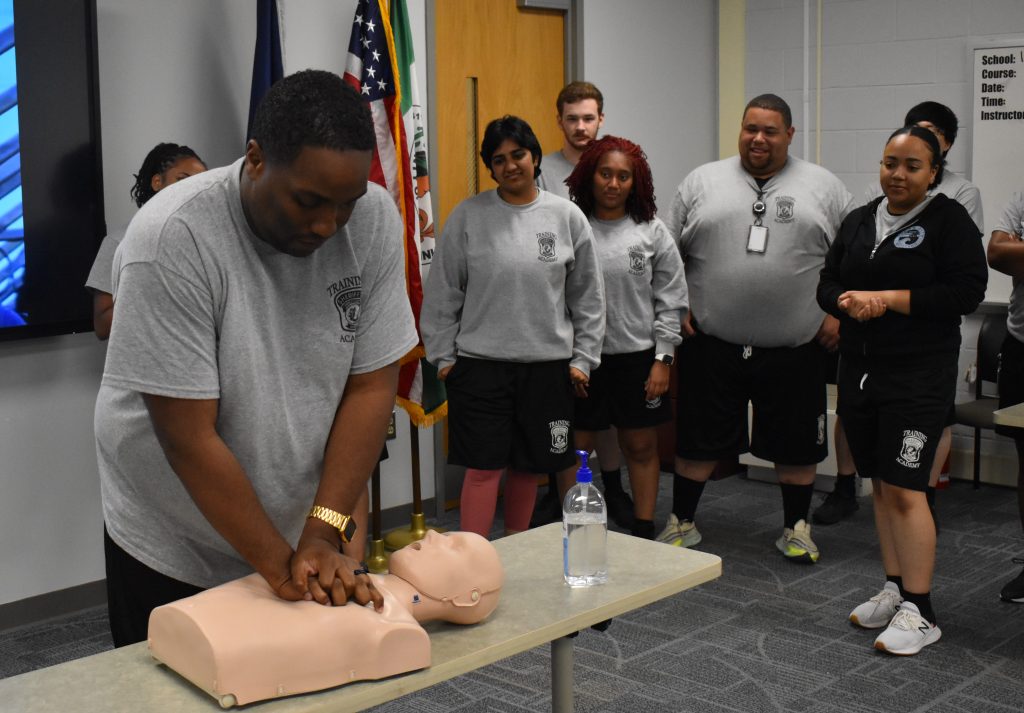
x=418, y=416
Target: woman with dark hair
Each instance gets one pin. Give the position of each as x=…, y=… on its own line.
x=165, y=164
x=900, y=274
x=645, y=294
x=513, y=317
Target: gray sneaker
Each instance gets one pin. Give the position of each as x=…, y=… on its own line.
x=679, y=534
x=879, y=610
x=797, y=544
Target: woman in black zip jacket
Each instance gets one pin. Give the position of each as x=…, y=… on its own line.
x=899, y=275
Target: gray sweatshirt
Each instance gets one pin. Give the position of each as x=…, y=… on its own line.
x=761, y=300
x=643, y=283
x=514, y=283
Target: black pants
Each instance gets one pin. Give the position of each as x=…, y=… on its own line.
x=133, y=591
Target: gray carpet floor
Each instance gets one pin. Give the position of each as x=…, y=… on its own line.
x=769, y=635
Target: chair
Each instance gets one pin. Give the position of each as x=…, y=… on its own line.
x=978, y=413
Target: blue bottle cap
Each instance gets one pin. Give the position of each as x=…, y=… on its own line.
x=584, y=475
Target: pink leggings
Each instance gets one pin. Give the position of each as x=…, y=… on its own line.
x=480, y=498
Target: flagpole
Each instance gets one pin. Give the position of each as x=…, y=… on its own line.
x=377, y=561
x=417, y=530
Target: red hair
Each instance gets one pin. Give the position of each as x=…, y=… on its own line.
x=640, y=204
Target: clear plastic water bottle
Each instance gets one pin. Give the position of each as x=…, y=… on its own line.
x=584, y=531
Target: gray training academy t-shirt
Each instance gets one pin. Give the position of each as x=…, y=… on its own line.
x=755, y=299
x=1012, y=222
x=206, y=310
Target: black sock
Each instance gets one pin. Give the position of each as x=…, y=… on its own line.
x=846, y=485
x=685, y=496
x=796, y=502
x=643, y=528
x=923, y=602
x=612, y=480
x=897, y=580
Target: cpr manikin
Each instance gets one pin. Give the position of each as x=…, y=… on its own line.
x=241, y=643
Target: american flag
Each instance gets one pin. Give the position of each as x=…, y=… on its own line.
x=373, y=70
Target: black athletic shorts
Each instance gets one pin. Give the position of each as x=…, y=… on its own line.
x=616, y=395
x=893, y=415
x=133, y=591
x=503, y=413
x=1011, y=381
x=786, y=386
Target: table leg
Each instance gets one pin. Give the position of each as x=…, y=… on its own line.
x=561, y=675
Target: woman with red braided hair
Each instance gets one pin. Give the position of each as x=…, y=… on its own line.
x=645, y=293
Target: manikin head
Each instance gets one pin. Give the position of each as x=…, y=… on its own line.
x=461, y=570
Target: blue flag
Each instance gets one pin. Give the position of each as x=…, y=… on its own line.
x=267, y=66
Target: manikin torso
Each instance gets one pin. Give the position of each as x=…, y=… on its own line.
x=241, y=643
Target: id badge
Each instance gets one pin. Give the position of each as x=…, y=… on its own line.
x=757, y=241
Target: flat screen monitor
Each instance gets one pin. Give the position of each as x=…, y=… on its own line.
x=51, y=187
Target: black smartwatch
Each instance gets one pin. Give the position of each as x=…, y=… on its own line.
x=665, y=359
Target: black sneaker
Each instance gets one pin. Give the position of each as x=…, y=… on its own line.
x=620, y=509
x=834, y=508
x=1014, y=589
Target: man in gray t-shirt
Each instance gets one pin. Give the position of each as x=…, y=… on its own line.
x=753, y=231
x=580, y=108
x=1006, y=254
x=253, y=363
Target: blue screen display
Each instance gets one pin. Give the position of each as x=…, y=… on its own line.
x=12, y=224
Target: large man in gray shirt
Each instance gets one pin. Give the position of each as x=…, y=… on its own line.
x=753, y=231
x=260, y=312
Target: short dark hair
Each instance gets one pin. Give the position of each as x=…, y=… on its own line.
x=159, y=159
x=933, y=144
x=772, y=102
x=574, y=92
x=640, y=204
x=311, y=108
x=509, y=127
x=938, y=115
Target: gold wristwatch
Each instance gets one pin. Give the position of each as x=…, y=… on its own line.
x=344, y=524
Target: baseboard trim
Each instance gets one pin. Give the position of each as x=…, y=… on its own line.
x=84, y=596
x=52, y=604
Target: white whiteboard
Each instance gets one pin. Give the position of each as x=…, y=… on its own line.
x=997, y=125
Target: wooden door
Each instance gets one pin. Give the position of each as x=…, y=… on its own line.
x=491, y=58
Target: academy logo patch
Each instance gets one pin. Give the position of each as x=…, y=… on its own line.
x=909, y=238
x=347, y=296
x=653, y=403
x=637, y=260
x=913, y=446
x=821, y=429
x=559, y=436
x=784, y=206
x=546, y=246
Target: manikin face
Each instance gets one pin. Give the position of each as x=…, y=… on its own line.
x=764, y=142
x=580, y=122
x=613, y=182
x=298, y=207
x=458, y=567
x=512, y=168
x=177, y=171
x=906, y=172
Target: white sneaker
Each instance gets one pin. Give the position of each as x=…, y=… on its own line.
x=879, y=610
x=797, y=544
x=908, y=632
x=679, y=534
